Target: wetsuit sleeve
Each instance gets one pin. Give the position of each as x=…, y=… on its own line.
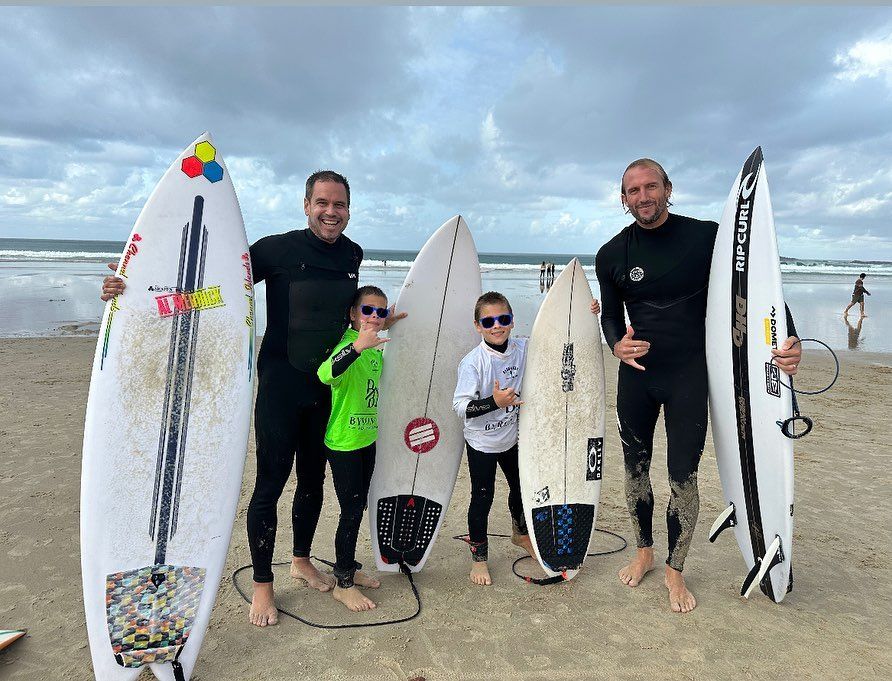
x=333, y=368
x=260, y=258
x=477, y=408
x=791, y=327
x=467, y=389
x=613, y=320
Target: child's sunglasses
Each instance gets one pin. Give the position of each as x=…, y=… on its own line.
x=502, y=319
x=366, y=311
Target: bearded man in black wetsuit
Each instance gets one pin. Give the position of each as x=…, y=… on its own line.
x=311, y=275
x=659, y=268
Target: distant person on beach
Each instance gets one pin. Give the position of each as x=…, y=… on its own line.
x=658, y=268
x=291, y=412
x=858, y=295
x=542, y=272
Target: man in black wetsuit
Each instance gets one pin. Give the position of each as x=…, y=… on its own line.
x=659, y=268
x=311, y=275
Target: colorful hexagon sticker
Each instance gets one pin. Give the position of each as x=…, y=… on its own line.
x=213, y=171
x=205, y=151
x=192, y=166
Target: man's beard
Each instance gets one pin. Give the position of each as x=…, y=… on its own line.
x=661, y=207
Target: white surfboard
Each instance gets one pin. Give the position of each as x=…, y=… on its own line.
x=745, y=319
x=561, y=436
x=167, y=424
x=10, y=636
x=420, y=440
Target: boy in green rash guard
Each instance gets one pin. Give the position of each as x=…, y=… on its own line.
x=352, y=371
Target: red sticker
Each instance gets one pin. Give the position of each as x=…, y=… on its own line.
x=421, y=435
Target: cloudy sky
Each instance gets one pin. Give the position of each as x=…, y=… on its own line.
x=519, y=118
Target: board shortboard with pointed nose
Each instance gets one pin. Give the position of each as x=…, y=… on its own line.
x=748, y=400
x=561, y=427
x=167, y=423
x=420, y=440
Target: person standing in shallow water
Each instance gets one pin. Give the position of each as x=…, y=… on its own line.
x=858, y=295
x=658, y=269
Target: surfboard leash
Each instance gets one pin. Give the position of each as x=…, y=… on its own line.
x=403, y=568
x=544, y=581
x=788, y=426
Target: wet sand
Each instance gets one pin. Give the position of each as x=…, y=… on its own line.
x=834, y=624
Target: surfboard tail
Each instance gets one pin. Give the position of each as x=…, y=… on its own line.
x=773, y=556
x=150, y=612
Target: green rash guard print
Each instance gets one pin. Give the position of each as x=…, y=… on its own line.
x=353, y=423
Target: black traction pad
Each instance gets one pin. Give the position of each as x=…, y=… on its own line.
x=406, y=525
x=562, y=534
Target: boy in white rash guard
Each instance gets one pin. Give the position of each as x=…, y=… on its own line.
x=487, y=400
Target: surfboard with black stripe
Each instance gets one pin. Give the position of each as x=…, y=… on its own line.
x=745, y=319
x=167, y=424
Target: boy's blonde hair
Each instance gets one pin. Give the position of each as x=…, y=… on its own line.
x=490, y=298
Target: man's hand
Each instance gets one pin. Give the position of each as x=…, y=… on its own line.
x=628, y=350
x=788, y=356
x=368, y=338
x=506, y=397
x=112, y=286
x=595, y=307
x=393, y=318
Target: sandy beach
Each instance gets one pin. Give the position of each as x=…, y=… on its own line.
x=835, y=624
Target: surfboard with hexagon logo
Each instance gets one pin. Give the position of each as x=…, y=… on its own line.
x=167, y=423
x=420, y=441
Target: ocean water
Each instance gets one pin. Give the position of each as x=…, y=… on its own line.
x=51, y=287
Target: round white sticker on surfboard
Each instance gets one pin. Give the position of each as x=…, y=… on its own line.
x=420, y=440
x=745, y=319
x=561, y=429
x=167, y=423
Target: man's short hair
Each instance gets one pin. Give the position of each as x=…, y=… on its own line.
x=367, y=290
x=326, y=176
x=490, y=298
x=645, y=163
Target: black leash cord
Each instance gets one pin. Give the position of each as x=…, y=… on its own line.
x=788, y=426
x=403, y=568
x=542, y=581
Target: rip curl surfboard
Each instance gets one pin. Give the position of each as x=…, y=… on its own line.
x=745, y=319
x=167, y=424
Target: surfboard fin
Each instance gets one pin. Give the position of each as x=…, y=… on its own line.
x=726, y=519
x=773, y=556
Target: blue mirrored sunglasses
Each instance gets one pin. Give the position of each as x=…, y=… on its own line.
x=366, y=311
x=502, y=319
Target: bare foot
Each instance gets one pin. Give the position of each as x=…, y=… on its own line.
x=263, y=611
x=680, y=599
x=641, y=564
x=304, y=571
x=362, y=579
x=523, y=541
x=480, y=573
x=353, y=598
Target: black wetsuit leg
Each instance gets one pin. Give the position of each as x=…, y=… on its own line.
x=288, y=427
x=508, y=463
x=685, y=413
x=636, y=413
x=351, y=474
x=682, y=392
x=482, y=468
